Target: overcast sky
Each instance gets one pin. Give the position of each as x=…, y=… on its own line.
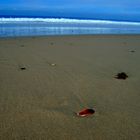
x=94, y=9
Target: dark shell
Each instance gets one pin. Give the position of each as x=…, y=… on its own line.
x=121, y=75
x=86, y=112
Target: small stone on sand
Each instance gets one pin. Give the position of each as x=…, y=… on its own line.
x=53, y=64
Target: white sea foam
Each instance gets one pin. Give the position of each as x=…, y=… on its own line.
x=64, y=20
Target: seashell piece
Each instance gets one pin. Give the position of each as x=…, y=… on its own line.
x=86, y=112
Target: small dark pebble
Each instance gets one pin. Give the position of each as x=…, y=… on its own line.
x=121, y=75
x=71, y=43
x=23, y=68
x=22, y=46
x=132, y=51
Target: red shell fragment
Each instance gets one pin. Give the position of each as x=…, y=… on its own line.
x=86, y=112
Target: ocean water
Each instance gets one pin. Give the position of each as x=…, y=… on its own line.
x=12, y=27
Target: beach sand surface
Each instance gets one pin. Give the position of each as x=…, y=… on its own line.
x=45, y=81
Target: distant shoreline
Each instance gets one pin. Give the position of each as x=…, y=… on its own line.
x=64, y=26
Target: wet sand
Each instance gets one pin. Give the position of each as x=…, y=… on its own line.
x=44, y=81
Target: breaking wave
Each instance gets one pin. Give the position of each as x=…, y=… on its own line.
x=65, y=20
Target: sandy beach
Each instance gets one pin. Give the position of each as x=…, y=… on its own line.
x=45, y=81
